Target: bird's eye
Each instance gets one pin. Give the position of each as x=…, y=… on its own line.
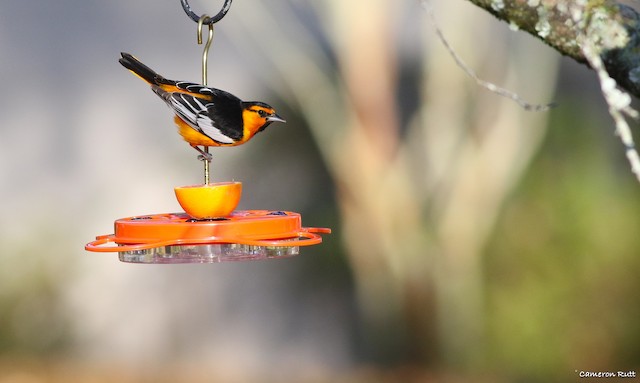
x=262, y=113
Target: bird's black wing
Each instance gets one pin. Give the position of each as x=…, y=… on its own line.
x=213, y=112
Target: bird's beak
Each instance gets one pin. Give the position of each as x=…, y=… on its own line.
x=275, y=118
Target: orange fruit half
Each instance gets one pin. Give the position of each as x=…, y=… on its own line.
x=209, y=201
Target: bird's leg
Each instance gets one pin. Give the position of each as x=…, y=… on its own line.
x=204, y=156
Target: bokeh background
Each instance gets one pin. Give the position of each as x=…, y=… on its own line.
x=472, y=241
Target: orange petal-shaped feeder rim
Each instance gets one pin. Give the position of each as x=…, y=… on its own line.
x=245, y=231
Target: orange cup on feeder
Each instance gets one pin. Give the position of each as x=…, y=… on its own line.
x=209, y=201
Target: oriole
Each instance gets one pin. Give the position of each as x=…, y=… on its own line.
x=206, y=116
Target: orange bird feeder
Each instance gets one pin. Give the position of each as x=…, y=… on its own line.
x=208, y=231
x=177, y=238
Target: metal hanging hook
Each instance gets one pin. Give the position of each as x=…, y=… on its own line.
x=207, y=45
x=209, y=21
x=205, y=54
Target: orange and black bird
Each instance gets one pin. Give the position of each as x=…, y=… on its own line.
x=206, y=116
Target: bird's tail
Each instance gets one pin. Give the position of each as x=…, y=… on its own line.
x=141, y=70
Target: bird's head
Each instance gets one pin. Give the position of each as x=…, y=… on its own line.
x=256, y=116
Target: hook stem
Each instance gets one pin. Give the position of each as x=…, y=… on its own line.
x=207, y=45
x=205, y=55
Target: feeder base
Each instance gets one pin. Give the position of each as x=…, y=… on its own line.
x=214, y=253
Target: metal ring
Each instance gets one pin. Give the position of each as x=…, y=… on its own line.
x=210, y=20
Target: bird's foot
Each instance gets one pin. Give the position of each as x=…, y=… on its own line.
x=205, y=157
x=204, y=154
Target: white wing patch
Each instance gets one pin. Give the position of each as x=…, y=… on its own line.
x=206, y=126
x=194, y=112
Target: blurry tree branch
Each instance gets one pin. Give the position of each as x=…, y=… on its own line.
x=559, y=23
x=604, y=34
